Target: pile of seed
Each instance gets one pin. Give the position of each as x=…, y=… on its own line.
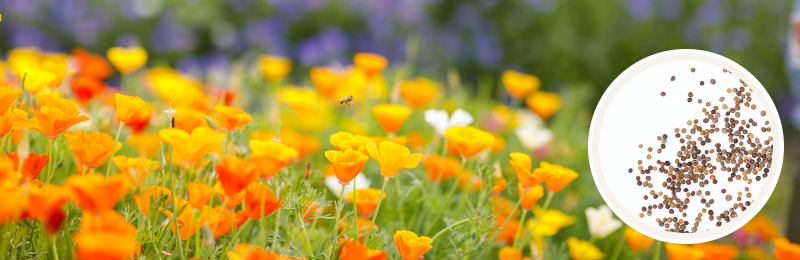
x=703, y=163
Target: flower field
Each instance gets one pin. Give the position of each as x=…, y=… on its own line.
x=421, y=138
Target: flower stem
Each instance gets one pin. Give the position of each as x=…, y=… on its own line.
x=657, y=253
x=50, y=160
x=336, y=224
x=618, y=248
x=377, y=208
x=303, y=226
x=275, y=230
x=508, y=218
x=544, y=208
x=355, y=207
x=449, y=197
x=114, y=149
x=55, y=248
x=175, y=216
x=441, y=232
x=518, y=237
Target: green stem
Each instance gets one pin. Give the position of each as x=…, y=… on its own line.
x=303, y=226
x=277, y=218
x=50, y=160
x=497, y=232
x=336, y=224
x=175, y=216
x=5, y=138
x=114, y=149
x=618, y=248
x=657, y=253
x=549, y=198
x=449, y=197
x=518, y=237
x=377, y=208
x=451, y=226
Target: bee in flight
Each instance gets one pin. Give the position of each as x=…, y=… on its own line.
x=346, y=100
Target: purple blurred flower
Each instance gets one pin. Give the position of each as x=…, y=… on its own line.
x=640, y=9
x=190, y=65
x=293, y=10
x=170, y=36
x=710, y=13
x=21, y=8
x=467, y=16
x=268, y=34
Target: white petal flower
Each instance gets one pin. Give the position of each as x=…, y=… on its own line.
x=362, y=182
x=441, y=121
x=531, y=131
x=601, y=221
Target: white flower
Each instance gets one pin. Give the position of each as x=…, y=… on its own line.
x=441, y=121
x=531, y=131
x=601, y=221
x=333, y=184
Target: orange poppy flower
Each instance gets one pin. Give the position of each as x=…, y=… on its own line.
x=127, y=106
x=91, y=150
x=343, y=141
x=310, y=210
x=95, y=245
x=188, y=224
x=503, y=207
x=326, y=80
x=637, y=242
x=230, y=201
x=531, y=196
x=245, y=251
x=232, y=118
x=139, y=121
x=410, y=246
x=416, y=139
x=366, y=200
x=46, y=205
x=509, y=232
x=715, y=251
x=95, y=193
x=192, y=148
x=38, y=78
x=433, y=166
x=522, y=166
x=499, y=186
x=391, y=116
x=510, y=253
x=85, y=88
x=684, y=252
x=12, y=203
x=304, y=144
x=107, y=221
x=544, y=104
x=353, y=250
x=127, y=60
x=520, y=85
x=346, y=164
x=235, y=174
x=270, y=157
x=418, y=92
x=146, y=144
x=152, y=194
x=55, y=116
x=468, y=140
x=274, y=68
x=31, y=167
x=187, y=119
x=136, y=168
x=10, y=119
x=393, y=157
x=763, y=226
x=398, y=139
x=499, y=143
x=785, y=250
x=8, y=95
x=469, y=181
x=559, y=176
x=258, y=197
x=370, y=63
x=199, y=194
x=223, y=224
x=91, y=65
